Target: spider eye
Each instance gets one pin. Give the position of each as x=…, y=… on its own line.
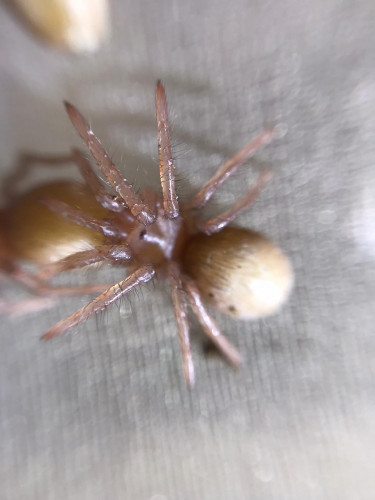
x=142, y=235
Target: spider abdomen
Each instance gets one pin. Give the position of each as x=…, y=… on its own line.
x=239, y=272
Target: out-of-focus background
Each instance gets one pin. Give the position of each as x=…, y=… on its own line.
x=103, y=412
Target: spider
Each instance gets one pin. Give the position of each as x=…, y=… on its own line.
x=236, y=270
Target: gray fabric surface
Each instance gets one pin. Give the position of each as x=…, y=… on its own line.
x=104, y=412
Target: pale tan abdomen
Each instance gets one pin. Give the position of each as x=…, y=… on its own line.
x=239, y=272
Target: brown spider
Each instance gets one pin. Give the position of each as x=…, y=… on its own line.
x=238, y=271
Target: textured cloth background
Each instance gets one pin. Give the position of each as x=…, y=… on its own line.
x=103, y=412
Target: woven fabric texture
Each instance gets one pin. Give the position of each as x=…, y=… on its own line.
x=103, y=412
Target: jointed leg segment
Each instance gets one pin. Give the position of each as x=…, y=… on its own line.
x=208, y=324
x=112, y=253
x=179, y=285
x=166, y=165
x=122, y=187
x=141, y=275
x=180, y=310
x=95, y=184
x=229, y=168
x=218, y=223
x=82, y=218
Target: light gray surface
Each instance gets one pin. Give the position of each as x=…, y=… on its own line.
x=104, y=413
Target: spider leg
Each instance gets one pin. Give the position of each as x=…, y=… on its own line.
x=226, y=170
x=112, y=253
x=94, y=183
x=166, y=165
x=217, y=223
x=122, y=187
x=141, y=275
x=208, y=324
x=84, y=219
x=180, y=310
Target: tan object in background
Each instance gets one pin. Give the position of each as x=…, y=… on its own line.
x=77, y=25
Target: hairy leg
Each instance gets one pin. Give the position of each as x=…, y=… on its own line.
x=180, y=311
x=166, y=165
x=141, y=275
x=122, y=187
x=226, y=170
x=218, y=223
x=208, y=324
x=112, y=253
x=94, y=183
x=82, y=218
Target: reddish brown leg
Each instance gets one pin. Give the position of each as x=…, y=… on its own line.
x=84, y=219
x=94, y=183
x=112, y=253
x=122, y=187
x=216, y=224
x=142, y=275
x=166, y=166
x=180, y=310
x=226, y=170
x=208, y=324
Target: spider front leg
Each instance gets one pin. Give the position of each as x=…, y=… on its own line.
x=141, y=275
x=123, y=188
x=166, y=165
x=94, y=183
